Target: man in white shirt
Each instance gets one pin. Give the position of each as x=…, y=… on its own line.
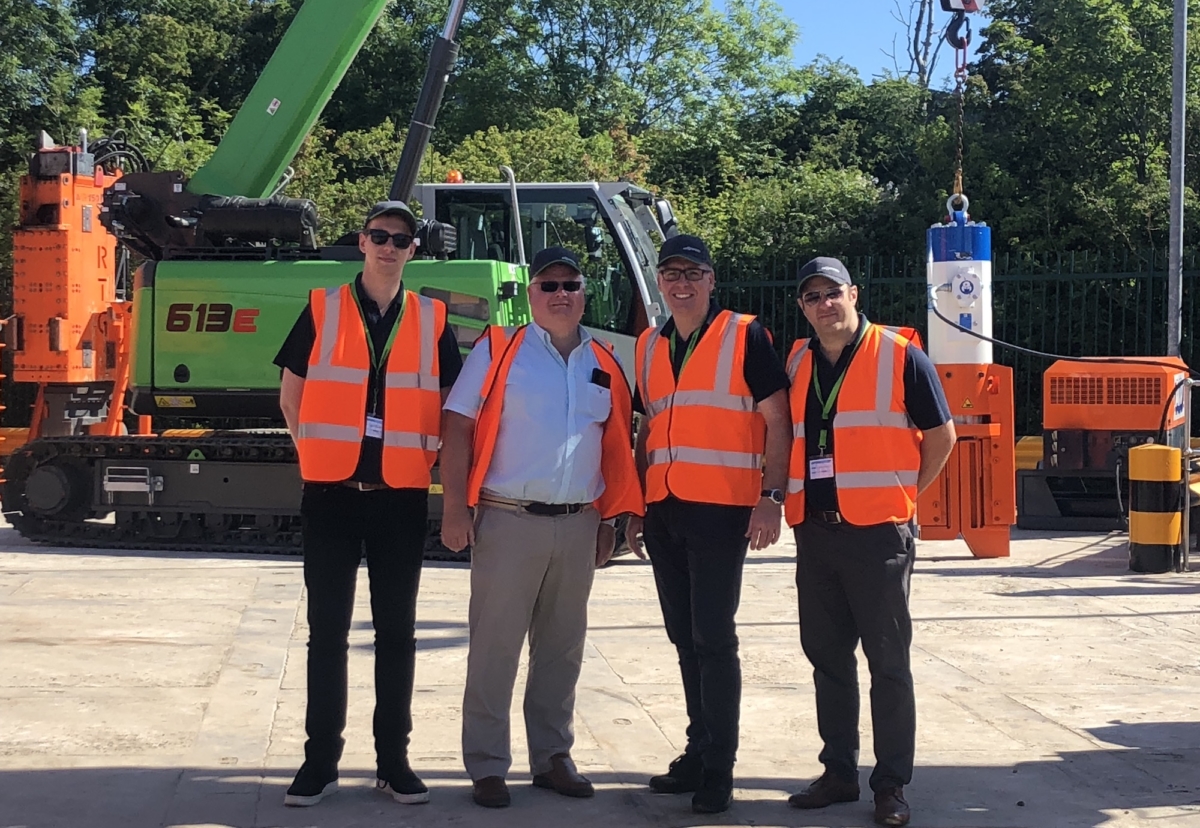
x=537, y=440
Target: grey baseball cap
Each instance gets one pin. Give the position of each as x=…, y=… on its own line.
x=827, y=266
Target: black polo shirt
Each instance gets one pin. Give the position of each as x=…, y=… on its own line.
x=297, y=349
x=762, y=368
x=924, y=401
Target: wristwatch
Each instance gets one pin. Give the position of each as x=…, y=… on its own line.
x=776, y=495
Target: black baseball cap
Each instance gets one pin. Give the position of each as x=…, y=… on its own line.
x=392, y=208
x=552, y=256
x=827, y=266
x=684, y=247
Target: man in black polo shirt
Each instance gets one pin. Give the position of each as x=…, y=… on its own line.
x=341, y=519
x=872, y=430
x=701, y=520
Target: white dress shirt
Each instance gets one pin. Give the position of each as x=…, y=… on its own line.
x=551, y=425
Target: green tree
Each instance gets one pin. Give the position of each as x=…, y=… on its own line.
x=1074, y=110
x=643, y=63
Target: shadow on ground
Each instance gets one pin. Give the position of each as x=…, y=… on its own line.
x=1147, y=777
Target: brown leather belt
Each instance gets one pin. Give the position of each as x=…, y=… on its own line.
x=826, y=517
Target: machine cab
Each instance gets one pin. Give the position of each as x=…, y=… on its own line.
x=613, y=228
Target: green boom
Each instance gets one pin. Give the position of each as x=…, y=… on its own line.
x=290, y=94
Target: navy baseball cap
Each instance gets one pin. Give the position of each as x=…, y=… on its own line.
x=827, y=266
x=392, y=208
x=684, y=247
x=552, y=256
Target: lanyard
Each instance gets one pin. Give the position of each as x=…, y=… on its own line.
x=692, y=341
x=828, y=403
x=379, y=360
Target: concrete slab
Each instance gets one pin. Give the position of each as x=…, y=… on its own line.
x=1054, y=689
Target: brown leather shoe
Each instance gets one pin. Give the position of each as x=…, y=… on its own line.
x=563, y=778
x=824, y=792
x=491, y=792
x=890, y=807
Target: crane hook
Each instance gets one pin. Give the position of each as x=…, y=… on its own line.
x=957, y=22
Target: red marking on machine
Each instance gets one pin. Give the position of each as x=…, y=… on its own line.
x=217, y=317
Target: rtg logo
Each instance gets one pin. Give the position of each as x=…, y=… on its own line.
x=215, y=318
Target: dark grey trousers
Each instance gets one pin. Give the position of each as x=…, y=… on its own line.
x=853, y=586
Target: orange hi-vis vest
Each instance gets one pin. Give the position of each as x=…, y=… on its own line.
x=877, y=450
x=334, y=402
x=706, y=436
x=622, y=488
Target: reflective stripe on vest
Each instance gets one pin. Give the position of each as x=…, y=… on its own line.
x=332, y=429
x=714, y=433
x=881, y=425
x=716, y=398
x=622, y=491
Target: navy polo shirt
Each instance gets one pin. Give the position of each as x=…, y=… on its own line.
x=924, y=401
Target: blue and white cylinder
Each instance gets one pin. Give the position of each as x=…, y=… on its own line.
x=959, y=277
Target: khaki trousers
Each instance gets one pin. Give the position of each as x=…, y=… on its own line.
x=530, y=576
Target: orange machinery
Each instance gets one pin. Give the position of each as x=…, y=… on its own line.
x=1093, y=413
x=974, y=495
x=69, y=333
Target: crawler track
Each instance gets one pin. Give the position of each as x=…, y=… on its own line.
x=54, y=493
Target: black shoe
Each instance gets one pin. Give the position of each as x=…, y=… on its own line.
x=405, y=787
x=715, y=793
x=310, y=786
x=824, y=792
x=890, y=807
x=683, y=776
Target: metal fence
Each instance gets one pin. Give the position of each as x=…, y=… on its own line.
x=1075, y=304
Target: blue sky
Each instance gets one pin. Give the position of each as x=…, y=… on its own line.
x=860, y=31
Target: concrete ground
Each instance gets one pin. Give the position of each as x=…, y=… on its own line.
x=1054, y=688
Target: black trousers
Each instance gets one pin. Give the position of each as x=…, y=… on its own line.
x=853, y=584
x=698, y=550
x=338, y=524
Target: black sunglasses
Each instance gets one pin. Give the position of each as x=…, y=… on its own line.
x=400, y=240
x=551, y=286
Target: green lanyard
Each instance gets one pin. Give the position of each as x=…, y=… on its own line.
x=379, y=360
x=692, y=340
x=827, y=404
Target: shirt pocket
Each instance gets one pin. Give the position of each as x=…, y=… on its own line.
x=595, y=403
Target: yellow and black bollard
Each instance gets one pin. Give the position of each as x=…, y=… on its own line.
x=1155, y=508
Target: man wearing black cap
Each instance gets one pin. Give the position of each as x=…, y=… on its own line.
x=537, y=442
x=713, y=451
x=872, y=430
x=366, y=471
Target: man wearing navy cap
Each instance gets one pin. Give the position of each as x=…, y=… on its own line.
x=538, y=433
x=713, y=451
x=872, y=430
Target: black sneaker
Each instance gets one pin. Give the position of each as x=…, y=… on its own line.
x=684, y=775
x=310, y=786
x=405, y=787
x=715, y=793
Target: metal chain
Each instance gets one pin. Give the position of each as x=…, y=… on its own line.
x=960, y=80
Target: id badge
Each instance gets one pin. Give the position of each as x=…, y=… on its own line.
x=375, y=427
x=820, y=468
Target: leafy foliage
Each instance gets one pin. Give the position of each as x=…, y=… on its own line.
x=1065, y=139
